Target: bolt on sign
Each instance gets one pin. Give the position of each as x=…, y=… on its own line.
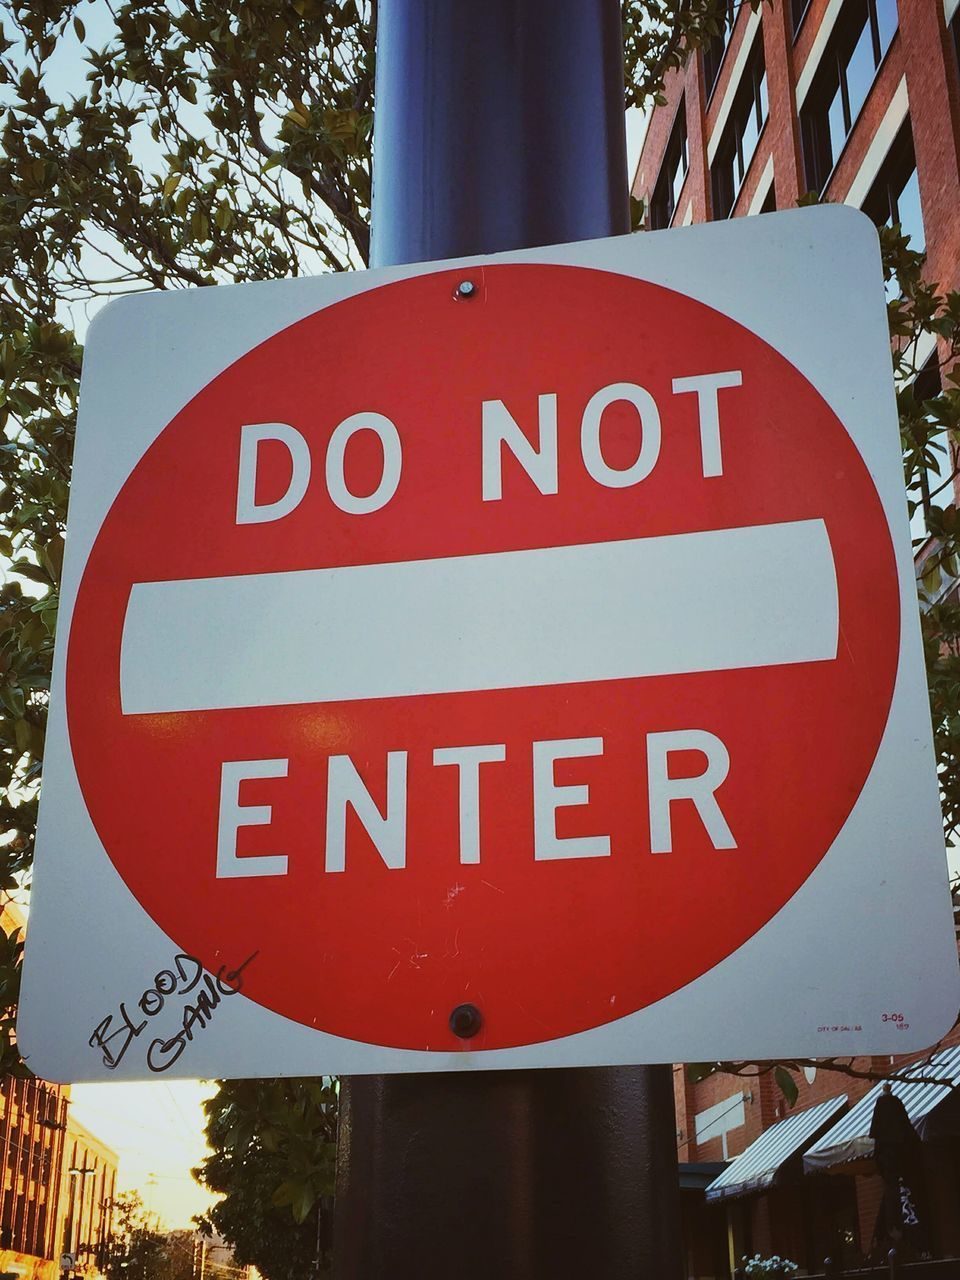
x=507, y=662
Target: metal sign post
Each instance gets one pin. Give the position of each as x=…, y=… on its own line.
x=501, y=126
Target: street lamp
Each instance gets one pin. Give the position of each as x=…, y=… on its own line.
x=105, y=1234
x=78, y=1175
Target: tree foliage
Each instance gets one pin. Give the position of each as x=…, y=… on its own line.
x=182, y=1249
x=138, y=1250
x=212, y=141
x=658, y=35
x=274, y=1148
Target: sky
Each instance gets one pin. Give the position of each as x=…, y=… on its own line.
x=157, y=1131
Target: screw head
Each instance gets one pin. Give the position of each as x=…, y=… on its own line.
x=465, y=1021
x=466, y=289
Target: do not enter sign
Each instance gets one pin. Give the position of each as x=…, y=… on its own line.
x=494, y=663
x=448, y=655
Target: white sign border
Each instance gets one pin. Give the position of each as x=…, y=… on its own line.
x=779, y=995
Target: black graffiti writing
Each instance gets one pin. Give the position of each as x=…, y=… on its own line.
x=185, y=977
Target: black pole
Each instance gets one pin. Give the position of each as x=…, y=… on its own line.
x=499, y=125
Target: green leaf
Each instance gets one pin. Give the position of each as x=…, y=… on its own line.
x=285, y=1193
x=931, y=577
x=786, y=1084
x=303, y=1203
x=33, y=635
x=11, y=696
x=51, y=557
x=26, y=569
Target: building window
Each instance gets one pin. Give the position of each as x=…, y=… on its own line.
x=770, y=200
x=717, y=1121
x=857, y=46
x=673, y=171
x=798, y=11
x=895, y=194
x=714, y=51
x=741, y=135
x=955, y=28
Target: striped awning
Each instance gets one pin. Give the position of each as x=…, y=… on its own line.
x=849, y=1140
x=762, y=1161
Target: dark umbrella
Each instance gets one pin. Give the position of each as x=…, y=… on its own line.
x=898, y=1154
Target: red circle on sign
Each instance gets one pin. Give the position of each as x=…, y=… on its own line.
x=543, y=948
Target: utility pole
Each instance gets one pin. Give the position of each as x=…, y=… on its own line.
x=500, y=125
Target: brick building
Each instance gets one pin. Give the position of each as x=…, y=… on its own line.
x=58, y=1186
x=33, y=1124
x=775, y=1178
x=32, y=1129
x=89, y=1182
x=58, y=1180
x=857, y=101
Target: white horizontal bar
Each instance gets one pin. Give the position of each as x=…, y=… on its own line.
x=759, y=596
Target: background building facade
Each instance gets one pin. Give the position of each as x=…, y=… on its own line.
x=33, y=1122
x=33, y=1126
x=89, y=1190
x=58, y=1180
x=855, y=101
